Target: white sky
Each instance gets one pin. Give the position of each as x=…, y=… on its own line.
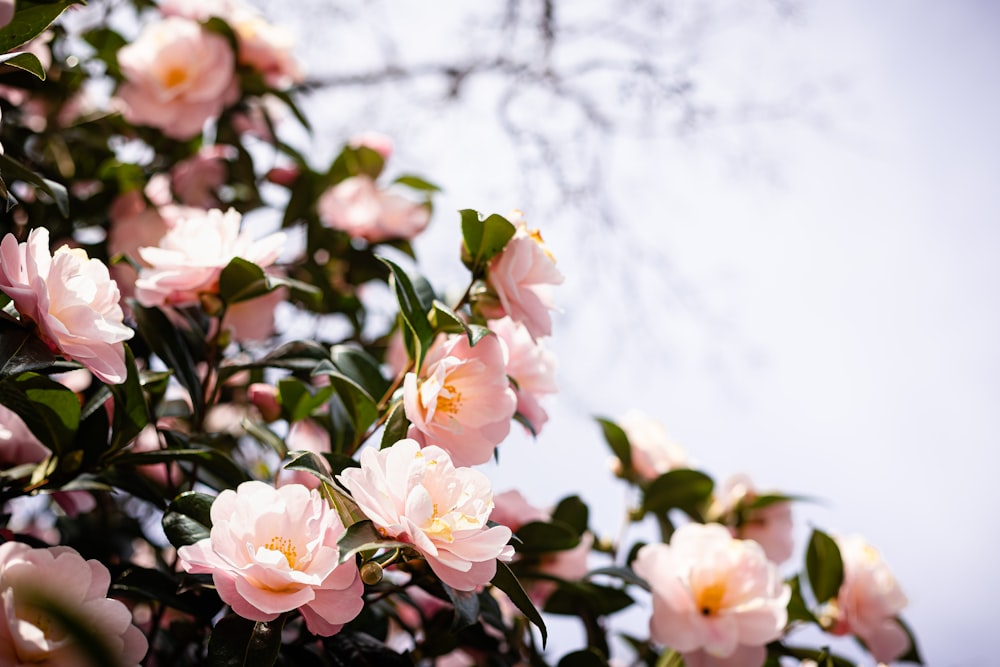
x=834, y=333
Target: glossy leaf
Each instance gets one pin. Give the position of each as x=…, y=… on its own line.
x=417, y=183
x=164, y=338
x=541, y=537
x=24, y=60
x=466, y=605
x=508, y=583
x=798, y=610
x=824, y=566
x=600, y=600
x=446, y=320
x=573, y=512
x=583, y=658
x=483, y=239
x=396, y=426
x=188, y=518
x=617, y=441
x=11, y=169
x=131, y=413
x=240, y=642
x=683, y=489
x=414, y=312
x=30, y=20
x=299, y=400
x=49, y=409
x=21, y=350
x=362, y=536
x=913, y=655
x=356, y=364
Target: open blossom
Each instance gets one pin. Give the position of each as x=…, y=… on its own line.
x=273, y=550
x=191, y=255
x=418, y=496
x=29, y=636
x=71, y=298
x=178, y=75
x=868, y=602
x=652, y=449
x=462, y=400
x=522, y=276
x=713, y=594
x=532, y=367
x=359, y=207
x=771, y=526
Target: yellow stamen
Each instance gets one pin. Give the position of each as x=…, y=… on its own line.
x=174, y=77
x=709, y=599
x=285, y=546
x=449, y=399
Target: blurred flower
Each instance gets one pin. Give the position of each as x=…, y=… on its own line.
x=522, y=276
x=253, y=319
x=869, y=601
x=71, y=298
x=197, y=178
x=513, y=510
x=771, y=526
x=363, y=210
x=191, y=255
x=462, y=400
x=378, y=142
x=6, y=12
x=17, y=443
x=60, y=576
x=418, y=496
x=265, y=398
x=652, y=449
x=178, y=75
x=713, y=593
x=275, y=550
x=532, y=367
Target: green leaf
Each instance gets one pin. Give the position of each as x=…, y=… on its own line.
x=396, y=426
x=347, y=509
x=188, y=518
x=571, y=596
x=466, y=604
x=542, y=537
x=824, y=566
x=684, y=489
x=299, y=400
x=446, y=320
x=12, y=169
x=913, y=655
x=617, y=441
x=670, y=658
x=155, y=585
x=240, y=642
x=626, y=574
x=21, y=350
x=798, y=610
x=583, y=658
x=242, y=280
x=361, y=367
x=24, y=60
x=131, y=413
x=362, y=536
x=483, y=239
x=414, y=311
x=30, y=20
x=170, y=345
x=210, y=460
x=508, y=583
x=573, y=512
x=49, y=409
x=416, y=183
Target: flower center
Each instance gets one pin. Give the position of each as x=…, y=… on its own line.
x=449, y=399
x=174, y=77
x=285, y=547
x=709, y=599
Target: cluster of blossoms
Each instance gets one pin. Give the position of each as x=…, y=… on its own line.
x=226, y=484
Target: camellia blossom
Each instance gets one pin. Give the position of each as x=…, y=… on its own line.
x=418, y=496
x=522, y=276
x=868, y=602
x=192, y=254
x=713, y=594
x=532, y=367
x=61, y=576
x=273, y=550
x=178, y=75
x=771, y=526
x=462, y=400
x=359, y=207
x=652, y=450
x=72, y=300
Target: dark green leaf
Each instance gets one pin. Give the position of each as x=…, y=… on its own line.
x=396, y=426
x=541, y=537
x=242, y=280
x=154, y=585
x=362, y=536
x=11, y=169
x=418, y=331
x=582, y=658
x=508, y=583
x=21, y=350
x=360, y=367
x=24, y=60
x=466, y=604
x=824, y=566
x=188, y=518
x=683, y=489
x=357, y=649
x=240, y=642
x=171, y=346
x=483, y=239
x=626, y=574
x=913, y=655
x=299, y=400
x=798, y=610
x=49, y=409
x=446, y=320
x=618, y=441
x=210, y=460
x=130, y=414
x=573, y=512
x=30, y=20
x=600, y=600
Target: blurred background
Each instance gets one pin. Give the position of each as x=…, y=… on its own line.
x=778, y=222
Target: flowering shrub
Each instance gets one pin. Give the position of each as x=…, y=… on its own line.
x=235, y=488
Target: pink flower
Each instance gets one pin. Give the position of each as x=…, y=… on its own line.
x=378, y=142
x=532, y=367
x=17, y=443
x=178, y=75
x=253, y=320
x=71, y=298
x=191, y=255
x=418, y=496
x=197, y=178
x=462, y=400
x=770, y=526
x=513, y=510
x=6, y=12
x=653, y=451
x=274, y=550
x=357, y=206
x=266, y=48
x=522, y=276
x=869, y=601
x=713, y=593
x=265, y=398
x=28, y=635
